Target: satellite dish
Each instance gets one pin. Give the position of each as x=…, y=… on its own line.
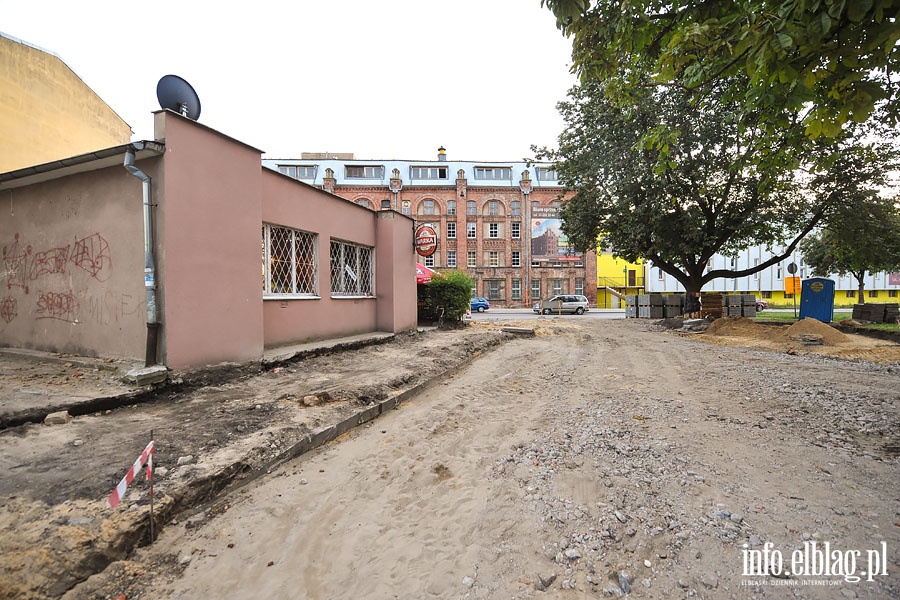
x=176, y=94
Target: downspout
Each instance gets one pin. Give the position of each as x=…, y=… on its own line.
x=149, y=265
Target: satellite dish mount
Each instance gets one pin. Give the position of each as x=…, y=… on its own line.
x=176, y=94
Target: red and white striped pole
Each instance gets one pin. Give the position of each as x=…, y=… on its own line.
x=144, y=458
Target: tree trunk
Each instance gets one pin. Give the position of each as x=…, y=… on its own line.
x=861, y=280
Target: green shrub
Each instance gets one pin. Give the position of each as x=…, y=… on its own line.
x=452, y=292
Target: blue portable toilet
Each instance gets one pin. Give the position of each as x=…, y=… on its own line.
x=817, y=299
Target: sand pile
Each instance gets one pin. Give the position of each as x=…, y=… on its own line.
x=740, y=327
x=807, y=326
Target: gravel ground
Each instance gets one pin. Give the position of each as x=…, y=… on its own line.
x=599, y=458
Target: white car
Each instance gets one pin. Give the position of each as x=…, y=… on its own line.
x=563, y=303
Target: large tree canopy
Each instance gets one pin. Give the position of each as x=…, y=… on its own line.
x=831, y=61
x=695, y=191
x=860, y=237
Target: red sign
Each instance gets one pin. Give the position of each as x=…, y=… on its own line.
x=426, y=240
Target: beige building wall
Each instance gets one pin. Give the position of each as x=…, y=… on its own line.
x=47, y=112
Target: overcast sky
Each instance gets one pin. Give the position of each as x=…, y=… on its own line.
x=390, y=79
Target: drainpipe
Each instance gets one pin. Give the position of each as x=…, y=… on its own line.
x=149, y=266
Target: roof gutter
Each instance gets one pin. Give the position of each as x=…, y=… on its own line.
x=149, y=263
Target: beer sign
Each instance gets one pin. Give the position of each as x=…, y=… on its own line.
x=426, y=240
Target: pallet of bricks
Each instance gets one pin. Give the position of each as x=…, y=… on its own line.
x=650, y=306
x=673, y=305
x=711, y=306
x=876, y=313
x=631, y=307
x=739, y=305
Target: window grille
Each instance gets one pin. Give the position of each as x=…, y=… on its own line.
x=290, y=265
x=352, y=269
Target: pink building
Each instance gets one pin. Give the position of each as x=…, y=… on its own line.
x=241, y=258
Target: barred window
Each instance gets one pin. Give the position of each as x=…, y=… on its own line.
x=352, y=269
x=289, y=262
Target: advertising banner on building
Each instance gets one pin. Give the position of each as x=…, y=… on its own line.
x=548, y=243
x=893, y=278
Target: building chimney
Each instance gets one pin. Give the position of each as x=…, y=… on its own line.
x=442, y=154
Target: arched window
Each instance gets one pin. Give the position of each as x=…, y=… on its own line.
x=451, y=207
x=427, y=207
x=494, y=208
x=364, y=202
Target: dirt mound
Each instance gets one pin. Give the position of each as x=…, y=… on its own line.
x=740, y=327
x=829, y=334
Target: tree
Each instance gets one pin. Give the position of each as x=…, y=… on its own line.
x=695, y=191
x=860, y=238
x=832, y=61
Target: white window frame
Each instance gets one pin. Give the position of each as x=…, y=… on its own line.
x=352, y=270
x=451, y=230
x=471, y=259
x=451, y=259
x=428, y=172
x=516, y=258
x=493, y=173
x=300, y=241
x=515, y=289
x=515, y=230
x=494, y=231
x=471, y=230
x=367, y=171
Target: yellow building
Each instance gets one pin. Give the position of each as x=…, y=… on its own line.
x=617, y=278
x=47, y=112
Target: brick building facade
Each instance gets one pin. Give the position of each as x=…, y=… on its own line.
x=498, y=222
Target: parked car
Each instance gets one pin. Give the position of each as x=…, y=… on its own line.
x=563, y=303
x=479, y=304
x=761, y=305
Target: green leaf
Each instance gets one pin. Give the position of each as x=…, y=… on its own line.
x=785, y=41
x=826, y=23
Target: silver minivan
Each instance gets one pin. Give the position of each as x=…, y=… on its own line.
x=563, y=303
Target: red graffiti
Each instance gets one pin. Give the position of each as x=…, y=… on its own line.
x=15, y=257
x=92, y=255
x=49, y=262
x=8, y=309
x=53, y=305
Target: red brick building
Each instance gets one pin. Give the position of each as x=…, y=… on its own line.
x=496, y=221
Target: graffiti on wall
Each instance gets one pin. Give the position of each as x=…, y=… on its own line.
x=54, y=305
x=9, y=309
x=15, y=260
x=22, y=266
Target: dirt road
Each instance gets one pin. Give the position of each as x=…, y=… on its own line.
x=596, y=459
